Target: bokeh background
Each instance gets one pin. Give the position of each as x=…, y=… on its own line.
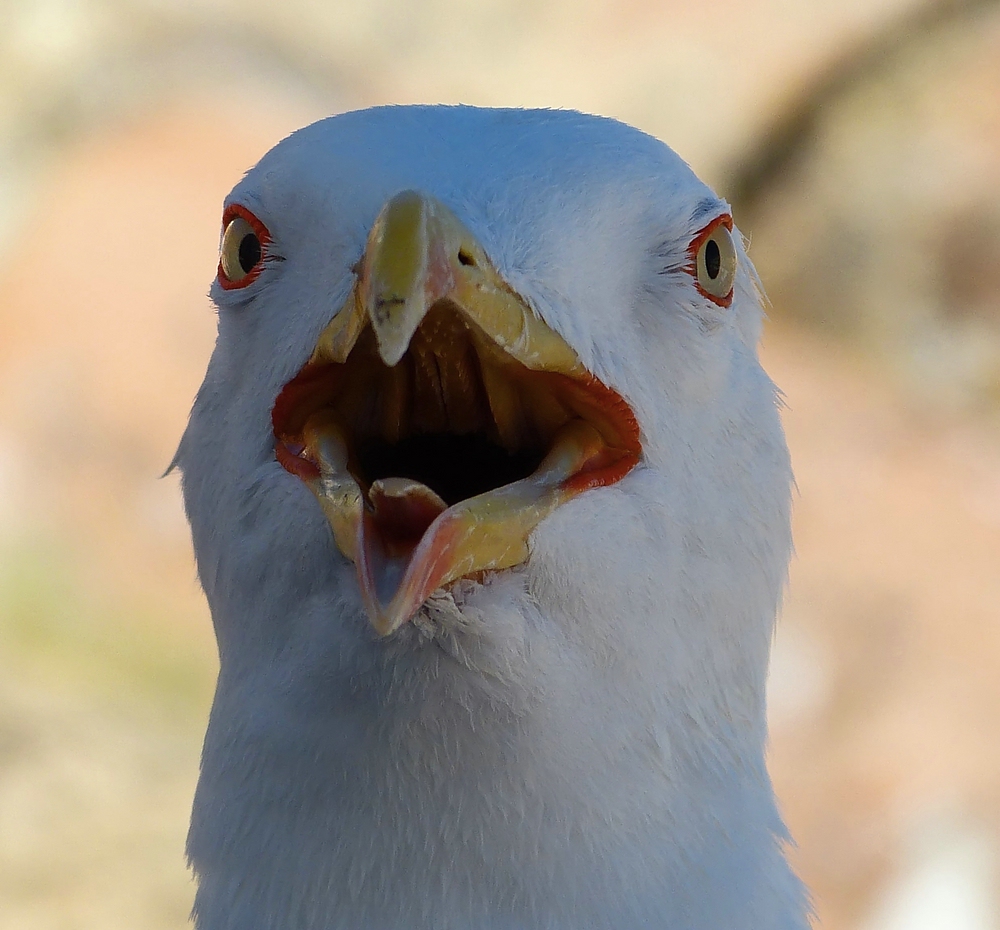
x=859, y=142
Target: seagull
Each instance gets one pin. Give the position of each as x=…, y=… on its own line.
x=490, y=500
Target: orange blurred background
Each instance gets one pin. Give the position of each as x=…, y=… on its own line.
x=860, y=145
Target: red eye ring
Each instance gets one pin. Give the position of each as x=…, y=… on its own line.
x=231, y=249
x=694, y=257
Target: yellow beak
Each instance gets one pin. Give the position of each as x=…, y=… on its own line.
x=433, y=346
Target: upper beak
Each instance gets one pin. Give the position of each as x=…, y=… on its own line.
x=418, y=253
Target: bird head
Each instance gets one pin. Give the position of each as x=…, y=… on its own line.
x=485, y=437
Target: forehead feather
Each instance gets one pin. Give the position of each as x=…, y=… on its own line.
x=538, y=166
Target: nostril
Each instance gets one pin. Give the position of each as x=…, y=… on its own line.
x=464, y=258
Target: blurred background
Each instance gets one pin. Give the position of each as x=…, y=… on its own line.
x=859, y=142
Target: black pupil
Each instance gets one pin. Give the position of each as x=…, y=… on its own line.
x=713, y=258
x=249, y=252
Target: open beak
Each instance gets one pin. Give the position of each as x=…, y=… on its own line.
x=438, y=420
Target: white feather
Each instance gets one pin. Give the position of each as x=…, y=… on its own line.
x=577, y=742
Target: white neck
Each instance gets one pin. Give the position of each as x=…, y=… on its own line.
x=504, y=773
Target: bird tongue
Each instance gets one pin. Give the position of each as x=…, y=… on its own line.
x=409, y=542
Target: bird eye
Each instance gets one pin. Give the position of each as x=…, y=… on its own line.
x=244, y=245
x=713, y=255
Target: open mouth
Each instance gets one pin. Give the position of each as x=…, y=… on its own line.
x=438, y=421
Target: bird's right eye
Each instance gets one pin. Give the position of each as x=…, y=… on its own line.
x=244, y=247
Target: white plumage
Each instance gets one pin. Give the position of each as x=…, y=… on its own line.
x=573, y=742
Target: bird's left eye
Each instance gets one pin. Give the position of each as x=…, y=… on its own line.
x=244, y=245
x=713, y=261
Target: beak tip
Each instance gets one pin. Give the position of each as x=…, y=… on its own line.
x=384, y=625
x=391, y=354
x=393, y=331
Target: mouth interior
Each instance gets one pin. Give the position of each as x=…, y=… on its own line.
x=457, y=415
x=454, y=466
